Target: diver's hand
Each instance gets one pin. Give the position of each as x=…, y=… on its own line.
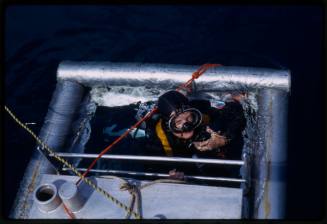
x=215, y=141
x=173, y=174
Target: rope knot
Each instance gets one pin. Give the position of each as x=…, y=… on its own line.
x=131, y=188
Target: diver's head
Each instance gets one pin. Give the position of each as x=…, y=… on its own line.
x=180, y=118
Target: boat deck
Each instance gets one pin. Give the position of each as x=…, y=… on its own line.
x=158, y=201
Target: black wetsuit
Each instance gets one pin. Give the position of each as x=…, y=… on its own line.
x=229, y=120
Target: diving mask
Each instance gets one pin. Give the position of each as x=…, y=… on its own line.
x=185, y=120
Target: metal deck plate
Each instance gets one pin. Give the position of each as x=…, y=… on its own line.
x=161, y=200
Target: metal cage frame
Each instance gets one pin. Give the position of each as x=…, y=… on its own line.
x=269, y=158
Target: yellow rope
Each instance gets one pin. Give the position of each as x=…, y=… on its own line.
x=135, y=191
x=132, y=189
x=98, y=189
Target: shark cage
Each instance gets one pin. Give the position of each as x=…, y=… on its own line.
x=46, y=189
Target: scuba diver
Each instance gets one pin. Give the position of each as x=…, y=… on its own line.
x=194, y=128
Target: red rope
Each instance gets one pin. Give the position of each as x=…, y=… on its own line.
x=117, y=140
x=186, y=85
x=69, y=212
x=197, y=74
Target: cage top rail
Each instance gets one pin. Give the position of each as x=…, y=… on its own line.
x=165, y=75
x=152, y=158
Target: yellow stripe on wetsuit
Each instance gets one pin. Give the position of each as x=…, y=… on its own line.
x=163, y=138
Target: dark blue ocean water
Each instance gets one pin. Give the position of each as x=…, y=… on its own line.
x=37, y=38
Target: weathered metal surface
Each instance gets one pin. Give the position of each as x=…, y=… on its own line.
x=271, y=155
x=161, y=200
x=58, y=122
x=22, y=203
x=54, y=132
x=165, y=76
